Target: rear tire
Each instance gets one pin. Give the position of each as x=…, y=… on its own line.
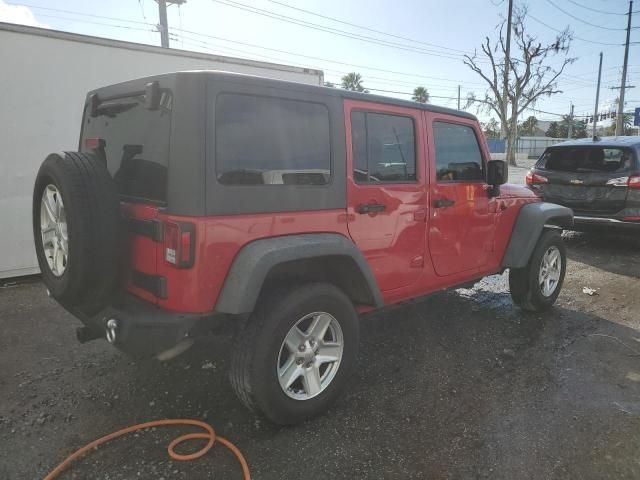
x=88, y=215
x=263, y=363
x=537, y=286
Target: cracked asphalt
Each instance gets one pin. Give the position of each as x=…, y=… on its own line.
x=460, y=385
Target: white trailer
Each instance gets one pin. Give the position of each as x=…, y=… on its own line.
x=45, y=77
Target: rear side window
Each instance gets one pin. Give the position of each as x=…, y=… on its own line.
x=271, y=141
x=458, y=156
x=383, y=148
x=587, y=159
x=136, y=144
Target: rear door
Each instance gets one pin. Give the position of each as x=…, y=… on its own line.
x=386, y=175
x=133, y=140
x=587, y=179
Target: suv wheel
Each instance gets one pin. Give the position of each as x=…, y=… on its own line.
x=537, y=286
x=295, y=354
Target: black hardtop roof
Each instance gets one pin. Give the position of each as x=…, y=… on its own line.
x=625, y=141
x=269, y=82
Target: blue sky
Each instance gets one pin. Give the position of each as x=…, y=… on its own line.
x=443, y=30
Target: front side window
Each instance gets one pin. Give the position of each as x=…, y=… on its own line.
x=383, y=148
x=271, y=141
x=458, y=156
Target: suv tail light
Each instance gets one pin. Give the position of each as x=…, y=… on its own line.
x=179, y=243
x=535, y=179
x=634, y=181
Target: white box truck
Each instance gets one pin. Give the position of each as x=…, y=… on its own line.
x=45, y=77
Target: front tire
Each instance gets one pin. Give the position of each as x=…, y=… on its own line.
x=537, y=286
x=294, y=356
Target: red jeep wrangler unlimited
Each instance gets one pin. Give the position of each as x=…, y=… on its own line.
x=203, y=198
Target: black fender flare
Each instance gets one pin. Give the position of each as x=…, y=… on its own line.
x=532, y=219
x=255, y=260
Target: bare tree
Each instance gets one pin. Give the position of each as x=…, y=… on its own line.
x=531, y=77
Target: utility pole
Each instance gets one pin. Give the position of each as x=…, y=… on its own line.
x=505, y=85
x=595, y=110
x=623, y=84
x=163, y=26
x=458, y=97
x=570, y=129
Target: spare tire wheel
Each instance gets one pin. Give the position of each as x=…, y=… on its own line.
x=76, y=224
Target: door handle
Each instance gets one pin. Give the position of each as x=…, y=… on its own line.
x=443, y=203
x=370, y=208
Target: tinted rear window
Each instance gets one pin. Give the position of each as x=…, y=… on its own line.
x=271, y=141
x=136, y=143
x=586, y=159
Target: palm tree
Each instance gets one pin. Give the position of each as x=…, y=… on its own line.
x=420, y=94
x=353, y=81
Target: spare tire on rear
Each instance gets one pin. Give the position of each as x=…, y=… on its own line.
x=76, y=225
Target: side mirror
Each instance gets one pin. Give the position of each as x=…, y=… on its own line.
x=496, y=172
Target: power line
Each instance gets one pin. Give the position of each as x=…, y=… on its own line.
x=126, y=27
x=334, y=31
x=82, y=14
x=595, y=9
x=582, y=20
x=352, y=65
x=573, y=36
x=366, y=28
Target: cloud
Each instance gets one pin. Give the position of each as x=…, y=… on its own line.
x=19, y=14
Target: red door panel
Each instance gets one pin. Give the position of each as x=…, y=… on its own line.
x=387, y=220
x=462, y=216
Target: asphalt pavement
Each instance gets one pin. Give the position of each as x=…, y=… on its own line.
x=461, y=385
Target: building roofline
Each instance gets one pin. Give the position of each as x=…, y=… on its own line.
x=107, y=42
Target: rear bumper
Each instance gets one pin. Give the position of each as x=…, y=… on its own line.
x=588, y=221
x=144, y=330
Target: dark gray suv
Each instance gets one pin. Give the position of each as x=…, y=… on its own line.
x=598, y=179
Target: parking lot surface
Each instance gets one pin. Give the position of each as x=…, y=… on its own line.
x=458, y=385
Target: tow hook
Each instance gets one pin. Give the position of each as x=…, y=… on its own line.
x=112, y=326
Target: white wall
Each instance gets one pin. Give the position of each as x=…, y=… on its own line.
x=43, y=83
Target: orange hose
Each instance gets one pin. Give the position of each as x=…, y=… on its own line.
x=210, y=435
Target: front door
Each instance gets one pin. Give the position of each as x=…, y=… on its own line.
x=461, y=225
x=386, y=175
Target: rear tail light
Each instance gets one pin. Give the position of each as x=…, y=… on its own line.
x=179, y=243
x=634, y=181
x=535, y=179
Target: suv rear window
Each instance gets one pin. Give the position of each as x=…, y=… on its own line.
x=586, y=159
x=136, y=144
x=271, y=141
